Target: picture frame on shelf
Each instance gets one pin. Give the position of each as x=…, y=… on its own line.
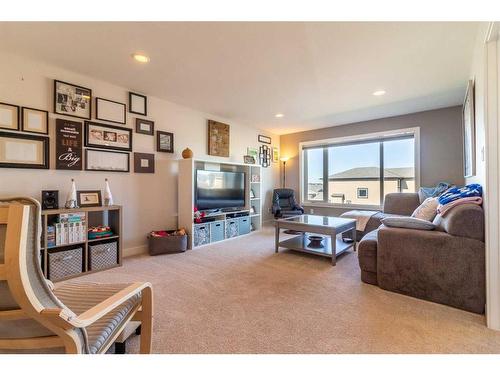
x=137, y=104
x=9, y=116
x=89, y=198
x=24, y=151
x=72, y=100
x=164, y=141
x=144, y=163
x=248, y=159
x=98, y=135
x=110, y=111
x=106, y=161
x=144, y=126
x=34, y=120
x=264, y=139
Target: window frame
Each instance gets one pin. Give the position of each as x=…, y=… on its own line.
x=362, y=196
x=355, y=139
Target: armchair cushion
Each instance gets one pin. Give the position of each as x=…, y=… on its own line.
x=80, y=297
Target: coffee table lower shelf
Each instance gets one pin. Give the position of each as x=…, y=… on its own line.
x=301, y=243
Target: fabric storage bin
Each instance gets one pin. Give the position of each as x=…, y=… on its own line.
x=103, y=255
x=201, y=234
x=232, y=227
x=216, y=231
x=65, y=263
x=244, y=225
x=168, y=244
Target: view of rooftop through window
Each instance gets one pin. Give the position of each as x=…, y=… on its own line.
x=354, y=171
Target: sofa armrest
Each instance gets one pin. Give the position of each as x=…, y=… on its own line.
x=401, y=203
x=432, y=265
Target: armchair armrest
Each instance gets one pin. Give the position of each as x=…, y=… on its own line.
x=66, y=319
x=401, y=203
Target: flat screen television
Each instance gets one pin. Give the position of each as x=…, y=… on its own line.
x=218, y=190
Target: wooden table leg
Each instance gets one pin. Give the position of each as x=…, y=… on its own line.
x=334, y=249
x=276, y=236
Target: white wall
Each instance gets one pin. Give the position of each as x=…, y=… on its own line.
x=478, y=74
x=149, y=200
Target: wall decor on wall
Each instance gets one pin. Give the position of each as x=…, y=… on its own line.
x=69, y=150
x=218, y=138
x=89, y=198
x=253, y=151
x=111, y=111
x=265, y=156
x=248, y=159
x=276, y=155
x=72, y=100
x=9, y=116
x=144, y=163
x=144, y=126
x=264, y=139
x=137, y=104
x=469, y=131
x=107, y=136
x=164, y=141
x=24, y=151
x=35, y=120
x=107, y=161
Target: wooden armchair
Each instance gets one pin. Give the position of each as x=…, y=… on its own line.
x=73, y=318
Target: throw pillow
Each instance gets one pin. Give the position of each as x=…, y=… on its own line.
x=408, y=222
x=427, y=210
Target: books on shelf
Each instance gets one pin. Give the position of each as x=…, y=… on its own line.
x=70, y=228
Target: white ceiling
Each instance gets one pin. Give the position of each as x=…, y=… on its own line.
x=317, y=74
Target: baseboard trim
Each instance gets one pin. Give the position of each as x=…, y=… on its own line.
x=138, y=250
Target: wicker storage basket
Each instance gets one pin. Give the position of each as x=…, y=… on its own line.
x=167, y=245
x=103, y=255
x=65, y=263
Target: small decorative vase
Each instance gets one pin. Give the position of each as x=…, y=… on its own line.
x=71, y=201
x=187, y=153
x=108, y=197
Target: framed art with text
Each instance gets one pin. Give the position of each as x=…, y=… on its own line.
x=110, y=137
x=89, y=198
x=24, y=151
x=264, y=139
x=144, y=126
x=111, y=111
x=69, y=147
x=106, y=161
x=72, y=100
x=9, y=116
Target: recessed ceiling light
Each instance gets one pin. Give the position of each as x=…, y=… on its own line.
x=379, y=93
x=140, y=58
x=279, y=115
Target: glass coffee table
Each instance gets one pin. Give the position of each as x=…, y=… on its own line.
x=324, y=228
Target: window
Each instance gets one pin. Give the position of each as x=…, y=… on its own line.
x=362, y=193
x=359, y=171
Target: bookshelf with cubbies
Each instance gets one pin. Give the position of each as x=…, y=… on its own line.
x=65, y=231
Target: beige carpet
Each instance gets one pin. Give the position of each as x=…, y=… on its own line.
x=241, y=297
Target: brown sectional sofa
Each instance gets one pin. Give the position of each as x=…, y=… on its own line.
x=446, y=265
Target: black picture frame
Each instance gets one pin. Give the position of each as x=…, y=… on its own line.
x=18, y=114
x=159, y=134
x=264, y=139
x=248, y=159
x=139, y=121
x=65, y=113
x=138, y=157
x=23, y=125
x=88, y=141
x=82, y=204
x=99, y=117
x=46, y=151
x=130, y=108
x=87, y=168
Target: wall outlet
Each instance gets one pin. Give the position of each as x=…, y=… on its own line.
x=311, y=210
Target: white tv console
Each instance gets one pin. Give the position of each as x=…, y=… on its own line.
x=213, y=232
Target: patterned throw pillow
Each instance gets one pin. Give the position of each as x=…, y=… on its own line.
x=427, y=210
x=408, y=222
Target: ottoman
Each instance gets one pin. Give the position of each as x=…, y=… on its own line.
x=367, y=257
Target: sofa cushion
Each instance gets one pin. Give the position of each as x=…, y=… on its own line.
x=427, y=210
x=401, y=203
x=408, y=222
x=464, y=221
x=367, y=252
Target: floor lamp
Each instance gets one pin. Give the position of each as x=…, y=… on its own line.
x=284, y=160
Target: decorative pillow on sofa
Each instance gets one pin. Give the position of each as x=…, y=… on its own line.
x=427, y=210
x=408, y=222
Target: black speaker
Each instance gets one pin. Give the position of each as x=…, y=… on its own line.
x=50, y=199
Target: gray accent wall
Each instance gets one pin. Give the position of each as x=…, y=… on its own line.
x=440, y=143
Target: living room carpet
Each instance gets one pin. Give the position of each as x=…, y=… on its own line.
x=239, y=296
